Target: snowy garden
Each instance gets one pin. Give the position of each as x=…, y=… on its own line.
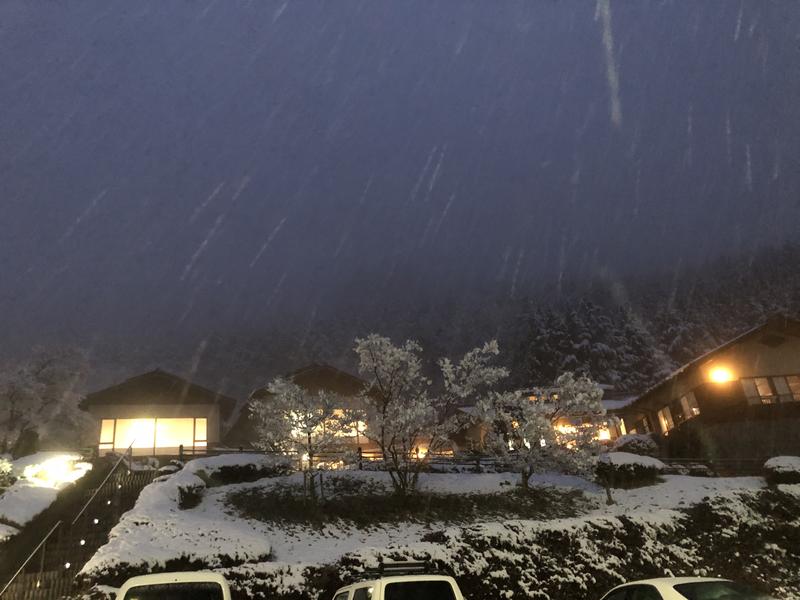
x=566, y=542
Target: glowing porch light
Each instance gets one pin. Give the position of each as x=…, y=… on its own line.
x=604, y=434
x=721, y=375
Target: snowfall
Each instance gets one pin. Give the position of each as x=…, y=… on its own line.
x=157, y=531
x=40, y=477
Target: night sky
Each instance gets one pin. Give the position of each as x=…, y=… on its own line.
x=220, y=164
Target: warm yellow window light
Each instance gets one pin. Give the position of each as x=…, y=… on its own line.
x=721, y=375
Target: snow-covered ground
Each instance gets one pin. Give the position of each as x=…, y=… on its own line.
x=40, y=477
x=156, y=530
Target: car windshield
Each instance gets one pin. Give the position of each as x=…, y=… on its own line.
x=205, y=590
x=419, y=590
x=718, y=590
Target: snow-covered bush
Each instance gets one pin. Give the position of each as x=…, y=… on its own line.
x=625, y=470
x=782, y=469
x=190, y=491
x=642, y=444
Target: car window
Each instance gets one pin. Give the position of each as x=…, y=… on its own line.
x=363, y=593
x=619, y=594
x=419, y=590
x=644, y=592
x=718, y=590
x=342, y=596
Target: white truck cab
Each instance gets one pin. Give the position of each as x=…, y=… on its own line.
x=391, y=586
x=198, y=585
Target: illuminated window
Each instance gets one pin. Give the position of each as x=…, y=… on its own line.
x=689, y=406
x=107, y=434
x=201, y=430
x=764, y=390
x=793, y=381
x=136, y=433
x=165, y=434
x=665, y=419
x=173, y=433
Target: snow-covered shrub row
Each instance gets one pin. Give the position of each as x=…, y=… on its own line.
x=159, y=534
x=625, y=470
x=749, y=536
x=642, y=444
x=782, y=469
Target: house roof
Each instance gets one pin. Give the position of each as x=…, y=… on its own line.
x=320, y=377
x=159, y=387
x=779, y=325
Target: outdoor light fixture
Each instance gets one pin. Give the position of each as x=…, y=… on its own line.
x=721, y=375
x=67, y=565
x=83, y=542
x=96, y=521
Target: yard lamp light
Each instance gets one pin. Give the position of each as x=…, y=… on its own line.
x=721, y=375
x=67, y=565
x=83, y=542
x=96, y=521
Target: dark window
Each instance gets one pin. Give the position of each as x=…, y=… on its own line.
x=718, y=590
x=176, y=591
x=419, y=590
x=644, y=592
x=362, y=593
x=342, y=596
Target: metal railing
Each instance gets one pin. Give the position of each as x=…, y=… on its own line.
x=100, y=487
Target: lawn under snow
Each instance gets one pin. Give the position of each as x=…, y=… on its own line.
x=157, y=531
x=40, y=477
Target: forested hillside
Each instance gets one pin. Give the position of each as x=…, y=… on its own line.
x=626, y=333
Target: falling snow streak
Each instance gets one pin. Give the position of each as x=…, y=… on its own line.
x=612, y=73
x=84, y=215
x=206, y=202
x=202, y=247
x=266, y=244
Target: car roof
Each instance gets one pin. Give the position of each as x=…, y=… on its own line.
x=668, y=581
x=394, y=579
x=188, y=576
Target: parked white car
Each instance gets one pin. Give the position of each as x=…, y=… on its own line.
x=684, y=588
x=199, y=585
x=402, y=587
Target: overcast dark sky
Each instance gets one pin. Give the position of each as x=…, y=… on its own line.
x=219, y=163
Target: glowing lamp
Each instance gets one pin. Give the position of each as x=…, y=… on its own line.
x=721, y=375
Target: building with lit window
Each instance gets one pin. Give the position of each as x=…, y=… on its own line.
x=739, y=401
x=313, y=379
x=158, y=414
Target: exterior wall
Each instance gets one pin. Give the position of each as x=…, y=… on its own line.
x=161, y=411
